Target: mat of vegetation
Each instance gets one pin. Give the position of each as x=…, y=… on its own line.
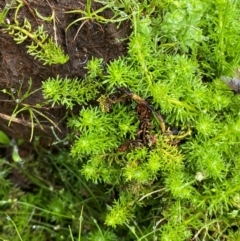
x=120, y=120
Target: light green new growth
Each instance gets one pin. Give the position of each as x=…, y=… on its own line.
x=68, y=92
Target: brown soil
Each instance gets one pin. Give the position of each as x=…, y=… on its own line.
x=16, y=66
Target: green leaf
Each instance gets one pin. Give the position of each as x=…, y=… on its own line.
x=4, y=139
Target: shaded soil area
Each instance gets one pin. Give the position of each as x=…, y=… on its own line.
x=17, y=67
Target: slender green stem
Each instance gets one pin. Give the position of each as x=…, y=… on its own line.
x=180, y=103
x=71, y=234
x=5, y=10
x=17, y=10
x=80, y=225
x=15, y=227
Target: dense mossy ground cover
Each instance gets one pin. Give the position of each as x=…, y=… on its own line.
x=152, y=150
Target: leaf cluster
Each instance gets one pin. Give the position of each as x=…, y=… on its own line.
x=65, y=91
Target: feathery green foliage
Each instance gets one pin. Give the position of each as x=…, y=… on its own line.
x=158, y=129
x=69, y=92
x=173, y=48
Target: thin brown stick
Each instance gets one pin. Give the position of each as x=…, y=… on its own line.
x=16, y=120
x=30, y=10
x=19, y=121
